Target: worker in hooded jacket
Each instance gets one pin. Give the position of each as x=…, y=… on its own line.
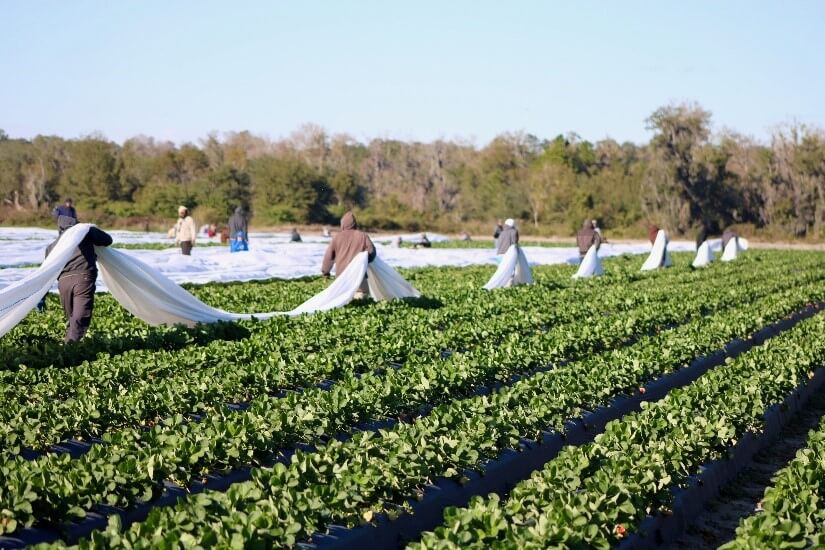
x=76, y=283
x=345, y=246
x=587, y=237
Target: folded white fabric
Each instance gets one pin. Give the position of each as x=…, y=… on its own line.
x=152, y=297
x=734, y=247
x=659, y=256
x=591, y=265
x=704, y=255
x=514, y=269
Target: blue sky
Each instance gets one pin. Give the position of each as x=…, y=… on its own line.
x=410, y=70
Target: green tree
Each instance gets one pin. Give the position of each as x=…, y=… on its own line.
x=224, y=190
x=91, y=174
x=286, y=189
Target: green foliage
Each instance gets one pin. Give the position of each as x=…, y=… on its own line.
x=142, y=400
x=287, y=190
x=595, y=494
x=223, y=191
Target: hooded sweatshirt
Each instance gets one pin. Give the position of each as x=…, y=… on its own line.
x=507, y=237
x=84, y=260
x=346, y=245
x=587, y=237
x=238, y=223
x=652, y=231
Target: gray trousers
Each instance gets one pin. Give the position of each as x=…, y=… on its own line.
x=186, y=248
x=77, y=295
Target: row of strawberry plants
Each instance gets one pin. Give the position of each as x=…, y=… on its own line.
x=40, y=416
x=343, y=482
x=793, y=508
x=596, y=494
x=178, y=450
x=37, y=341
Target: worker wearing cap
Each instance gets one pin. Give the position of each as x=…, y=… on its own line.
x=507, y=237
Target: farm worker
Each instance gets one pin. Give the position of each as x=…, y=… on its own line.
x=345, y=246
x=238, y=231
x=598, y=230
x=507, y=237
x=295, y=237
x=67, y=209
x=76, y=282
x=464, y=236
x=185, y=231
x=423, y=242
x=587, y=237
x=727, y=236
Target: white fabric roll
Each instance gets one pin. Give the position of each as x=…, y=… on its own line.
x=704, y=256
x=591, y=265
x=733, y=249
x=659, y=256
x=514, y=269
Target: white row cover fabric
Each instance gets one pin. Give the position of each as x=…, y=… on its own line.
x=591, y=265
x=152, y=297
x=19, y=298
x=514, y=269
x=734, y=247
x=659, y=256
x=704, y=256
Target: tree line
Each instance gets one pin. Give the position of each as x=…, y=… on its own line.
x=686, y=178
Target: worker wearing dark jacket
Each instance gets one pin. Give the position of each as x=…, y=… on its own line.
x=66, y=209
x=76, y=283
x=345, y=246
x=238, y=231
x=507, y=237
x=238, y=223
x=587, y=237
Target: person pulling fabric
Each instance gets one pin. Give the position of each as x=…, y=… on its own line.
x=344, y=247
x=507, y=237
x=76, y=283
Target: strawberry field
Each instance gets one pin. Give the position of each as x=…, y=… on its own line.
x=427, y=423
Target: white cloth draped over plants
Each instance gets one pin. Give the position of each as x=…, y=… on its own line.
x=734, y=247
x=704, y=255
x=659, y=256
x=152, y=297
x=513, y=270
x=591, y=265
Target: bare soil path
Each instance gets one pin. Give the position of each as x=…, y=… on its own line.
x=717, y=524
